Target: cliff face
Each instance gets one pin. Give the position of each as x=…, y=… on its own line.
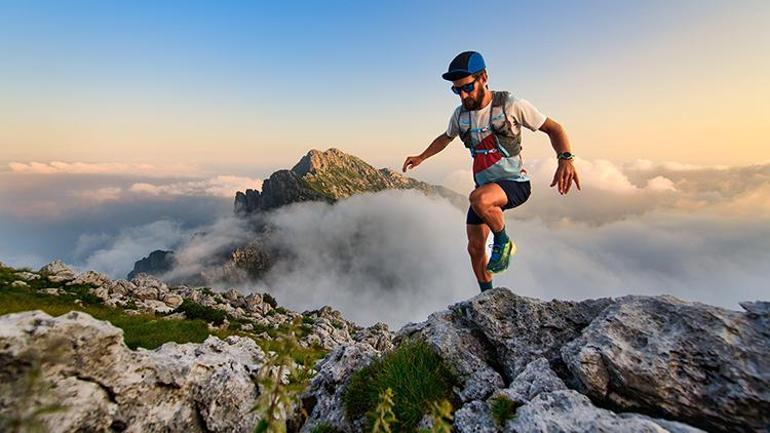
x=328, y=176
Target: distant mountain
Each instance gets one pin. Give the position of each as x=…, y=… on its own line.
x=329, y=176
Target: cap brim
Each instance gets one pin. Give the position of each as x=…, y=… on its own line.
x=455, y=75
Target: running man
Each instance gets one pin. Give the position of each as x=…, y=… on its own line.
x=489, y=124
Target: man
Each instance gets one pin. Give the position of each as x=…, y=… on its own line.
x=489, y=124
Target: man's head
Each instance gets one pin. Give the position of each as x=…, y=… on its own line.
x=468, y=75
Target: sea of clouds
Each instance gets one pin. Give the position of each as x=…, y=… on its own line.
x=697, y=232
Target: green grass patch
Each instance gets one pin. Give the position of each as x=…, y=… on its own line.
x=193, y=310
x=502, y=410
x=416, y=374
x=142, y=330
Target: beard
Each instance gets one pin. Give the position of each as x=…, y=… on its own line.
x=471, y=104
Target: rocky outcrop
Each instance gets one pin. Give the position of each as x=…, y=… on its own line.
x=634, y=364
x=705, y=365
x=329, y=176
x=104, y=386
x=157, y=263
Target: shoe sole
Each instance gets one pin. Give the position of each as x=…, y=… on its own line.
x=504, y=266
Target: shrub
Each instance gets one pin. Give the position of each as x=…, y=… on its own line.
x=416, y=374
x=502, y=410
x=193, y=310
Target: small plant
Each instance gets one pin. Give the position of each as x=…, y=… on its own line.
x=441, y=415
x=502, y=410
x=280, y=380
x=383, y=415
x=413, y=371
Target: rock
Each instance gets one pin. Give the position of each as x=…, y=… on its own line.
x=92, y=278
x=703, y=365
x=27, y=276
x=757, y=308
x=522, y=329
x=157, y=262
x=18, y=284
x=57, y=272
x=173, y=300
x=55, y=291
x=148, y=287
x=474, y=417
x=378, y=336
x=322, y=400
x=536, y=379
x=568, y=411
x=207, y=387
x=154, y=306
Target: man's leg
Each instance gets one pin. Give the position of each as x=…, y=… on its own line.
x=477, y=248
x=487, y=201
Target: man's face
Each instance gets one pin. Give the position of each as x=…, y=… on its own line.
x=471, y=101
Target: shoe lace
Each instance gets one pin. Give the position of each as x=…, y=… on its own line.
x=496, y=249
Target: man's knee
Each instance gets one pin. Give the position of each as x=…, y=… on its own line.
x=479, y=200
x=476, y=249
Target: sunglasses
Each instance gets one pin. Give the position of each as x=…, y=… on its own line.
x=467, y=88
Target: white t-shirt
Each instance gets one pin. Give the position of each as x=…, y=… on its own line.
x=520, y=112
x=491, y=167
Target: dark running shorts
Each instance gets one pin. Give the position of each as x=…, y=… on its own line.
x=517, y=192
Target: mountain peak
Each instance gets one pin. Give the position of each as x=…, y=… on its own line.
x=329, y=175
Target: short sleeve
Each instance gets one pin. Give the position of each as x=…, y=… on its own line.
x=525, y=113
x=453, y=128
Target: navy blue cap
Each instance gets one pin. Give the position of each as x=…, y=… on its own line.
x=466, y=63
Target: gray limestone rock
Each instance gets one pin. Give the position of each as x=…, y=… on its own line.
x=85, y=366
x=57, y=272
x=704, y=365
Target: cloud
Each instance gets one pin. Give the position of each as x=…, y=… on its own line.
x=104, y=168
x=396, y=256
x=222, y=186
x=115, y=255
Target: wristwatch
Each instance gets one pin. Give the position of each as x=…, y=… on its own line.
x=565, y=155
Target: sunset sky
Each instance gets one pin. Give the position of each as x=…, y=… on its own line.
x=248, y=87
x=127, y=127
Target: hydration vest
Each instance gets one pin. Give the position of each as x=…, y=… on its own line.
x=507, y=142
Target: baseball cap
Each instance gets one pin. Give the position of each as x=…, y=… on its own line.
x=466, y=63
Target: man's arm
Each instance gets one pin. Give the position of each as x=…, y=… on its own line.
x=566, y=172
x=438, y=144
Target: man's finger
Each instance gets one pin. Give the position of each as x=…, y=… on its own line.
x=569, y=184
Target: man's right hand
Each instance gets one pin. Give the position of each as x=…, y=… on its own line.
x=412, y=162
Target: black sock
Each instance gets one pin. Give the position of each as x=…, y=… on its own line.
x=501, y=237
x=485, y=285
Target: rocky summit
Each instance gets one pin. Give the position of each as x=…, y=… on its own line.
x=520, y=364
x=329, y=176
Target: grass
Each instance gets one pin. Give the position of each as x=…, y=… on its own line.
x=502, y=410
x=416, y=374
x=139, y=330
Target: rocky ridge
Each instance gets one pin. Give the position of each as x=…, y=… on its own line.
x=329, y=176
x=629, y=364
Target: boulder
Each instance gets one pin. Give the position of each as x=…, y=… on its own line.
x=57, y=272
x=104, y=386
x=568, y=411
x=704, y=365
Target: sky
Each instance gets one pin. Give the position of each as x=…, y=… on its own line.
x=128, y=126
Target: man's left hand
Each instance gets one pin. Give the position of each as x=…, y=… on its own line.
x=564, y=176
